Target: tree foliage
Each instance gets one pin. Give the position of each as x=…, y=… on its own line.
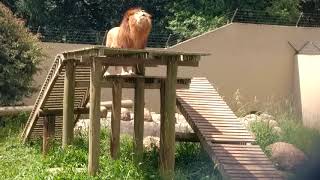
x=88, y=14
x=19, y=57
x=186, y=17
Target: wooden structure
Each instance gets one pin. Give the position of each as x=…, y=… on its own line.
x=76, y=78
x=222, y=135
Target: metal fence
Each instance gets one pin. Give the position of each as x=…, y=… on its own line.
x=262, y=17
x=157, y=40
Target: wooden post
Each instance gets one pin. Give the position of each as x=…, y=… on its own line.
x=48, y=133
x=94, y=115
x=115, y=118
x=139, y=114
x=68, y=106
x=167, y=123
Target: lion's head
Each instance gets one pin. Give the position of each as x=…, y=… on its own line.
x=134, y=29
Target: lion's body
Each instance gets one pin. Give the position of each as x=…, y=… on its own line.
x=133, y=31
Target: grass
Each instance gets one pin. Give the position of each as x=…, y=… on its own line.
x=26, y=161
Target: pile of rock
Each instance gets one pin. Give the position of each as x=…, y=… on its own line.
x=249, y=119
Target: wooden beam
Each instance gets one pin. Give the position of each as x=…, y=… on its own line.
x=151, y=82
x=139, y=113
x=94, y=115
x=68, y=103
x=133, y=61
x=14, y=110
x=167, y=127
x=186, y=137
x=115, y=119
x=85, y=110
x=48, y=133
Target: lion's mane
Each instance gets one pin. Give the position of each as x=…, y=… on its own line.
x=130, y=33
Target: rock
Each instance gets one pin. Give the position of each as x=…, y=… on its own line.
x=151, y=141
x=272, y=123
x=180, y=118
x=125, y=114
x=147, y=115
x=277, y=130
x=252, y=118
x=286, y=156
x=265, y=116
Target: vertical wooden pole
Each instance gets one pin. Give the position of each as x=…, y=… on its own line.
x=139, y=114
x=48, y=133
x=115, y=118
x=68, y=106
x=94, y=115
x=167, y=126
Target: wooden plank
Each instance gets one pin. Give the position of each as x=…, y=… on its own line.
x=94, y=115
x=47, y=86
x=68, y=104
x=115, y=118
x=167, y=127
x=139, y=113
x=48, y=133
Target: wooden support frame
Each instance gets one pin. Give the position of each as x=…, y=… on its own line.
x=68, y=103
x=139, y=113
x=48, y=133
x=167, y=121
x=94, y=115
x=115, y=118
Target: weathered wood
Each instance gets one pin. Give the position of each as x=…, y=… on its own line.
x=68, y=106
x=14, y=110
x=115, y=119
x=186, y=137
x=139, y=113
x=48, y=133
x=151, y=82
x=85, y=110
x=167, y=127
x=94, y=115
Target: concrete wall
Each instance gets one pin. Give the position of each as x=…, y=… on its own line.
x=256, y=59
x=308, y=88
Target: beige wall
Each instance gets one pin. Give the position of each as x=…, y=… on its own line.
x=309, y=87
x=256, y=59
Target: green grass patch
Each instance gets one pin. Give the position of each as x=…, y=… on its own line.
x=26, y=161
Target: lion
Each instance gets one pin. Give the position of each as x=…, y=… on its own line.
x=133, y=32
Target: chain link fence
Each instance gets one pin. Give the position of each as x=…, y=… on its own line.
x=157, y=40
x=97, y=37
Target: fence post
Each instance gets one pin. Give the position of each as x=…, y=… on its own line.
x=234, y=15
x=167, y=43
x=301, y=14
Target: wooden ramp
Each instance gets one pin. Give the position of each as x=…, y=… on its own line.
x=222, y=135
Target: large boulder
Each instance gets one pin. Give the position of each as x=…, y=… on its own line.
x=147, y=115
x=286, y=156
x=125, y=114
x=151, y=141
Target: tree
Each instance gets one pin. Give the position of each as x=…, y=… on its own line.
x=285, y=10
x=19, y=57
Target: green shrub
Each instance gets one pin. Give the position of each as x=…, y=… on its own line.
x=19, y=57
x=264, y=134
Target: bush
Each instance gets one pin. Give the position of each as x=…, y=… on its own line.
x=19, y=57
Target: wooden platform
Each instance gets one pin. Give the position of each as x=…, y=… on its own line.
x=51, y=94
x=222, y=135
